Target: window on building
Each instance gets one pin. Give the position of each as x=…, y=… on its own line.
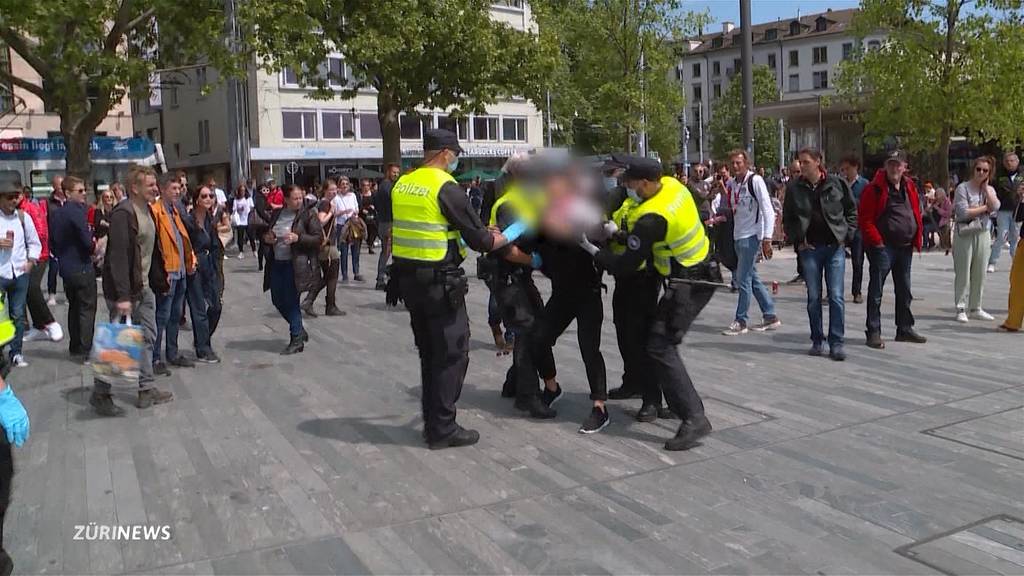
x=485, y=128
x=716, y=68
x=737, y=65
x=717, y=90
x=820, y=54
x=737, y=38
x=772, y=61
x=369, y=126
x=820, y=80
x=821, y=24
x=298, y=125
x=771, y=34
x=695, y=115
x=513, y=129
x=698, y=93
x=336, y=77
x=6, y=88
x=794, y=58
x=794, y=82
x=679, y=72
x=717, y=42
x=696, y=70
x=289, y=78
x=874, y=45
x=204, y=136
x=794, y=28
x=460, y=126
x=517, y=4
x=337, y=125
x=847, y=50
x=411, y=127
x=201, y=80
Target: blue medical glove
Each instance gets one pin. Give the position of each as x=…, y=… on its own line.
x=536, y=261
x=13, y=417
x=514, y=231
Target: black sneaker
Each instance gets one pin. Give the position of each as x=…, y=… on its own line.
x=622, y=393
x=461, y=437
x=647, y=413
x=359, y=278
x=104, y=405
x=208, y=358
x=335, y=311
x=874, y=340
x=910, y=336
x=689, y=433
x=535, y=407
x=181, y=362
x=597, y=420
x=161, y=369
x=549, y=398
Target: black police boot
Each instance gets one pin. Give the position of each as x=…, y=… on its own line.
x=622, y=393
x=295, y=345
x=536, y=407
x=304, y=335
x=647, y=413
x=690, y=432
x=461, y=437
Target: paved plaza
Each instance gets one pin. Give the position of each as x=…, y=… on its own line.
x=908, y=460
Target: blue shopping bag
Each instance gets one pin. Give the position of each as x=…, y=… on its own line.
x=117, y=351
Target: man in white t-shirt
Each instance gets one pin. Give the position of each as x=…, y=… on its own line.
x=222, y=198
x=754, y=224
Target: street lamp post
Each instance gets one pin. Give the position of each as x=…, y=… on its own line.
x=746, y=53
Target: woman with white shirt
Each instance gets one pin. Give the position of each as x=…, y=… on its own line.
x=241, y=206
x=973, y=205
x=346, y=206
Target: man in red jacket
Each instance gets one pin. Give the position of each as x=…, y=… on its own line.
x=889, y=217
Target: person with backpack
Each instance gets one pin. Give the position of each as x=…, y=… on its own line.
x=753, y=219
x=19, y=252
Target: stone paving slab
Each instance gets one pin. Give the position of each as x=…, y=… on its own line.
x=313, y=464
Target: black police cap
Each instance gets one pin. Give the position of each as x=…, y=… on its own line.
x=438, y=139
x=640, y=168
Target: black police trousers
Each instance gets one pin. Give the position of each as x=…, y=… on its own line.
x=634, y=305
x=521, y=306
x=441, y=331
x=583, y=304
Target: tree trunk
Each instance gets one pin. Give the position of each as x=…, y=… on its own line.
x=940, y=168
x=387, y=115
x=78, y=160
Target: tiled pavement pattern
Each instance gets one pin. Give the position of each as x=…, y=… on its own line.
x=902, y=461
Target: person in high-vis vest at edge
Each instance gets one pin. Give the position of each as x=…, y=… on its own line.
x=660, y=240
x=14, y=421
x=433, y=224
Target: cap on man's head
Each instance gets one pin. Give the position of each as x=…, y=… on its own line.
x=439, y=139
x=640, y=168
x=896, y=156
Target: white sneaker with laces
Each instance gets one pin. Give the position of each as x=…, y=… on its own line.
x=54, y=332
x=19, y=361
x=735, y=329
x=52, y=300
x=980, y=314
x=991, y=268
x=961, y=316
x=240, y=255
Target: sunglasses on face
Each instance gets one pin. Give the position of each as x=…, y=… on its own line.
x=980, y=170
x=204, y=196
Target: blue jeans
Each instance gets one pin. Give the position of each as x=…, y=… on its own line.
x=169, y=308
x=204, y=304
x=747, y=281
x=884, y=260
x=347, y=250
x=830, y=261
x=1006, y=231
x=15, y=293
x=284, y=295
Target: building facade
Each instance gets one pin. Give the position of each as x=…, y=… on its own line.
x=293, y=137
x=804, y=53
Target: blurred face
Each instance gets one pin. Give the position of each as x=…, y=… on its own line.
x=172, y=191
x=982, y=170
x=331, y=191
x=723, y=172
x=1011, y=162
x=849, y=171
x=700, y=172
x=9, y=201
x=107, y=198
x=738, y=165
x=794, y=169
x=147, y=188
x=810, y=167
x=344, y=186
x=393, y=173
x=264, y=190
x=206, y=198
x=118, y=192
x=894, y=170
x=56, y=183
x=365, y=187
x=76, y=194
x=295, y=198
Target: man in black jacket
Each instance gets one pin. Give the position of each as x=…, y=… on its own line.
x=71, y=240
x=1006, y=187
x=133, y=271
x=820, y=217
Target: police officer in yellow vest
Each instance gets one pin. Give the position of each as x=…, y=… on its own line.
x=661, y=241
x=433, y=223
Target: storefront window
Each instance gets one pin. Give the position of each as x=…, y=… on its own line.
x=369, y=126
x=485, y=128
x=513, y=129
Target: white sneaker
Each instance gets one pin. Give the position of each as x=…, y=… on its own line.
x=240, y=255
x=735, y=329
x=54, y=332
x=19, y=361
x=980, y=314
x=34, y=335
x=52, y=300
x=991, y=268
x=961, y=316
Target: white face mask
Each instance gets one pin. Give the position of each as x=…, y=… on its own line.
x=631, y=192
x=453, y=165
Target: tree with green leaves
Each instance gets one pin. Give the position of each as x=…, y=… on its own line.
x=444, y=54
x=603, y=92
x=948, y=68
x=90, y=53
x=726, y=126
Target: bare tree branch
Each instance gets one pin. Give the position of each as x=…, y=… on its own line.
x=25, y=48
x=22, y=83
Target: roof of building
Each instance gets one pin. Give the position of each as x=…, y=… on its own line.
x=834, y=22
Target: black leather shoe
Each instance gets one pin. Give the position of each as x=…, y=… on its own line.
x=104, y=405
x=536, y=407
x=690, y=432
x=304, y=335
x=294, y=346
x=335, y=311
x=461, y=437
x=647, y=413
x=622, y=393
x=666, y=414
x=307, y=310
x=508, y=389
x=875, y=341
x=910, y=336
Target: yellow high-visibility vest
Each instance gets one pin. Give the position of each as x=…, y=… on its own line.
x=420, y=230
x=525, y=208
x=684, y=239
x=7, y=327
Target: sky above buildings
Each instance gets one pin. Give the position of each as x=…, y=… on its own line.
x=764, y=10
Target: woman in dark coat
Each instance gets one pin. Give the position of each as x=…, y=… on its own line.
x=204, y=289
x=291, y=240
